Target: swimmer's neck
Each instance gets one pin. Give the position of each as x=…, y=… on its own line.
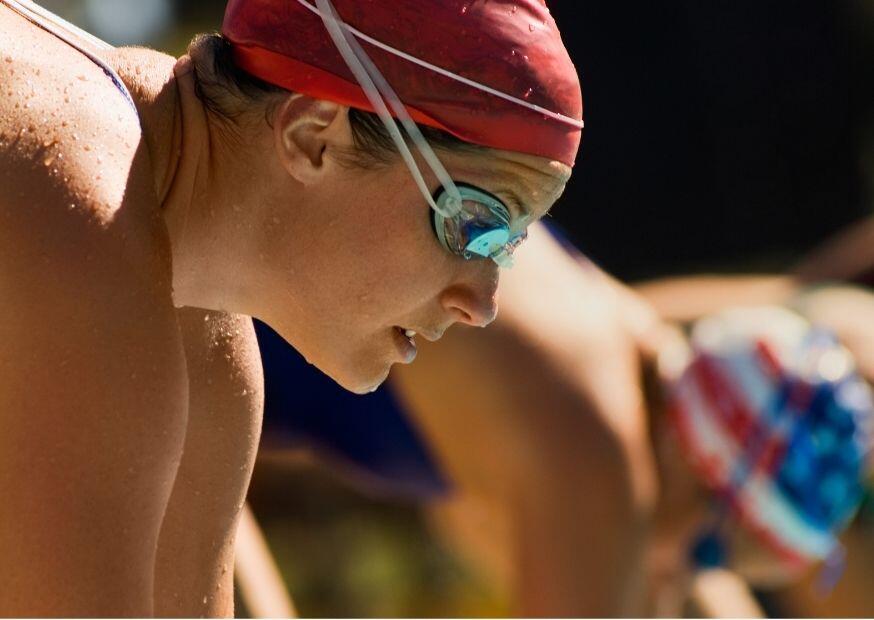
x=193, y=179
x=150, y=78
x=175, y=136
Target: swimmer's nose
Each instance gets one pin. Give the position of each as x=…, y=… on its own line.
x=473, y=303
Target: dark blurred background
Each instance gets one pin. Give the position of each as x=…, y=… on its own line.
x=720, y=135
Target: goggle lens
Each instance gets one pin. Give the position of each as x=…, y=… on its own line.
x=480, y=230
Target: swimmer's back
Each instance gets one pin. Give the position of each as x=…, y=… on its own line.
x=93, y=390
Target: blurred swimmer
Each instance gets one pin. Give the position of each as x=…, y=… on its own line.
x=586, y=502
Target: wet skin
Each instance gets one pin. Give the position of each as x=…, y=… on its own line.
x=130, y=383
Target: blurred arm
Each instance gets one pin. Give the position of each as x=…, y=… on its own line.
x=719, y=593
x=260, y=582
x=685, y=299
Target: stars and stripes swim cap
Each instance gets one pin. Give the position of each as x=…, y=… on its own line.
x=778, y=424
x=490, y=72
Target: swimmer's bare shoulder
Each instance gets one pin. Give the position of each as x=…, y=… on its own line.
x=93, y=384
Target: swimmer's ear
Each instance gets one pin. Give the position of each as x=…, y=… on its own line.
x=303, y=127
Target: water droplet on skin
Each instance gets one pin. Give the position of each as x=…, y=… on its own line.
x=464, y=9
x=528, y=93
x=513, y=9
x=205, y=600
x=48, y=160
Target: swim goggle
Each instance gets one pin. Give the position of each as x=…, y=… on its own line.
x=469, y=222
x=482, y=228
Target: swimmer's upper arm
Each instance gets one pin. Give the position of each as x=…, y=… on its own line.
x=93, y=392
x=226, y=400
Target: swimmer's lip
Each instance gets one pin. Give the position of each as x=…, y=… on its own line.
x=429, y=335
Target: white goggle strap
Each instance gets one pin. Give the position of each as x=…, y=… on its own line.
x=366, y=73
x=409, y=125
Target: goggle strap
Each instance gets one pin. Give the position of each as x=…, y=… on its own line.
x=404, y=117
x=503, y=259
x=573, y=122
x=367, y=74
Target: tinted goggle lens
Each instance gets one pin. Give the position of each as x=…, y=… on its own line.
x=480, y=230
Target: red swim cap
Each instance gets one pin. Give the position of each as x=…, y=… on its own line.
x=490, y=72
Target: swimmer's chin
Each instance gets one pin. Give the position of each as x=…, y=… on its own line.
x=363, y=385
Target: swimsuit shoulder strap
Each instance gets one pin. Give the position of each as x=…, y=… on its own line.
x=68, y=33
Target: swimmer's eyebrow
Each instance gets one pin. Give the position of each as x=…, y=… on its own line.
x=525, y=212
x=522, y=210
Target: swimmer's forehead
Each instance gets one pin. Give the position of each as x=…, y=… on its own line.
x=530, y=183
